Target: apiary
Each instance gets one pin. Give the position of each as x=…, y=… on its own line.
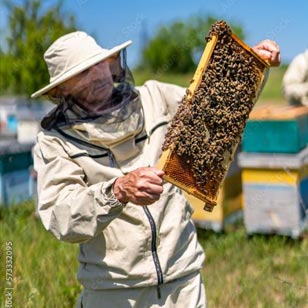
x=203, y=135
x=276, y=129
x=229, y=206
x=275, y=192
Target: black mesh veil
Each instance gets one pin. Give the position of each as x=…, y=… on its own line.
x=105, y=93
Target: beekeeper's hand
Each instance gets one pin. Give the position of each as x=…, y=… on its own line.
x=142, y=186
x=268, y=50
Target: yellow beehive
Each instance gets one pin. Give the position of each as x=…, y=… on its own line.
x=275, y=192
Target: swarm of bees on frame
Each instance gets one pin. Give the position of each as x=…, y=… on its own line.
x=209, y=124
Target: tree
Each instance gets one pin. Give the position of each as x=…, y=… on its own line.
x=178, y=46
x=31, y=30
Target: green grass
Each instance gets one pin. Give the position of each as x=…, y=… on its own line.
x=44, y=269
x=178, y=79
x=272, y=92
x=261, y=271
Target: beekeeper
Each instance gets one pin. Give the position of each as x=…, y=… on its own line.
x=96, y=160
x=295, y=80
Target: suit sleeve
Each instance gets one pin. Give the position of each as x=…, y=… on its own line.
x=70, y=209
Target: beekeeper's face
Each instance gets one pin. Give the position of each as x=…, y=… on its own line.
x=92, y=88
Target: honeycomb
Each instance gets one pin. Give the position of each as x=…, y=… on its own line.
x=203, y=135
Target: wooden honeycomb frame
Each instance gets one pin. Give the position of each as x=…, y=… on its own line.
x=169, y=161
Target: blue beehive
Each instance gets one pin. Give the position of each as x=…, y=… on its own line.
x=276, y=129
x=15, y=162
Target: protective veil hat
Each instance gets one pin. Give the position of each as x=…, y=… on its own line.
x=71, y=54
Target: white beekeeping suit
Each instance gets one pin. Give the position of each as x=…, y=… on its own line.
x=295, y=81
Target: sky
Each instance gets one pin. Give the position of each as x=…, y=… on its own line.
x=113, y=22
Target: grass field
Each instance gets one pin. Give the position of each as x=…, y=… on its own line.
x=240, y=272
x=44, y=269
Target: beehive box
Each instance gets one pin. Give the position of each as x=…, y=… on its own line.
x=276, y=129
x=15, y=182
x=275, y=192
x=201, y=141
x=15, y=187
x=229, y=206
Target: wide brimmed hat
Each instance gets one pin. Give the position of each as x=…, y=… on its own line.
x=71, y=54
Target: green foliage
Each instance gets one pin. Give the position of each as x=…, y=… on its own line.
x=31, y=30
x=177, y=47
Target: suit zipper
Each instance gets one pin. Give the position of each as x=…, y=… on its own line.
x=160, y=278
